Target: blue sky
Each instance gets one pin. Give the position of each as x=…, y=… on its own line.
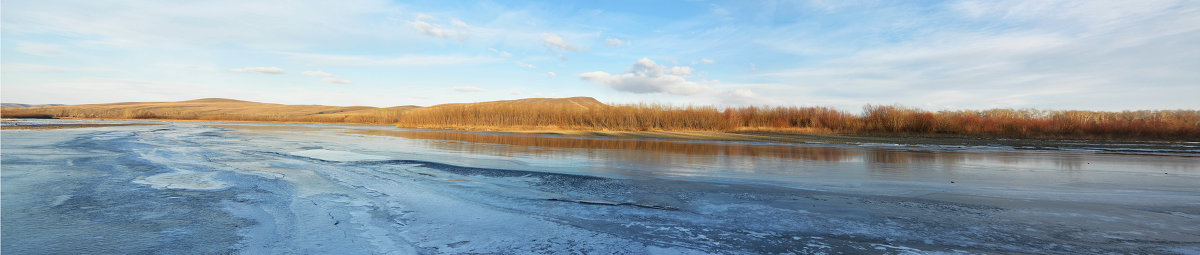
x=1093, y=55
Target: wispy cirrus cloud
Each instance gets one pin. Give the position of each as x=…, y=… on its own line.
x=140, y=25
x=40, y=49
x=1045, y=54
x=316, y=73
x=500, y=52
x=427, y=25
x=326, y=77
x=468, y=89
x=556, y=42
x=406, y=60
x=262, y=70
x=614, y=42
x=334, y=80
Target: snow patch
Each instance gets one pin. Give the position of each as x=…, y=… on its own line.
x=183, y=179
x=331, y=155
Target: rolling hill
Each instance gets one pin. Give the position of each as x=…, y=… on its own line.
x=26, y=105
x=221, y=109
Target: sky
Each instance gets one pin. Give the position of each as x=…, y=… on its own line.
x=934, y=55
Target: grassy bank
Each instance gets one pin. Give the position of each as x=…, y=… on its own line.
x=65, y=126
x=215, y=109
x=588, y=115
x=874, y=121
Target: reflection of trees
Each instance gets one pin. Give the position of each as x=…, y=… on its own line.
x=616, y=149
x=892, y=162
x=1069, y=162
x=682, y=157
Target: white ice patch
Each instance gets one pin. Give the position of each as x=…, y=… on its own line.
x=329, y=155
x=59, y=200
x=183, y=179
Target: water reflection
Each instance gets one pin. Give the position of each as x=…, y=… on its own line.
x=658, y=157
x=646, y=148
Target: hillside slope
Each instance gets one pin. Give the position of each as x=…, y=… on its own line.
x=221, y=109
x=218, y=109
x=26, y=105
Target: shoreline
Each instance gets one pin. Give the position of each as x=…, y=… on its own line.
x=844, y=139
x=66, y=126
x=761, y=135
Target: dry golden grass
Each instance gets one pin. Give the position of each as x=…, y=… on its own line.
x=584, y=114
x=216, y=109
x=65, y=126
x=876, y=120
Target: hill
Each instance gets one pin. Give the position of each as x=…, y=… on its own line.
x=217, y=109
x=26, y=105
x=222, y=109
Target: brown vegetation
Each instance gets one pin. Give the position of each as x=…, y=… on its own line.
x=65, y=126
x=875, y=120
x=587, y=114
x=216, y=109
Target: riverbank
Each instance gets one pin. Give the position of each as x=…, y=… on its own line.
x=831, y=138
x=757, y=135
x=587, y=114
x=65, y=126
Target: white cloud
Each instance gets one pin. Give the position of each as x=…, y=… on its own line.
x=422, y=24
x=707, y=61
x=18, y=67
x=334, y=80
x=328, y=77
x=408, y=60
x=136, y=25
x=680, y=70
x=1099, y=55
x=468, y=89
x=740, y=96
x=645, y=76
x=614, y=42
x=40, y=49
x=556, y=42
x=264, y=70
x=519, y=63
x=502, y=53
x=432, y=30
x=516, y=92
x=459, y=23
x=552, y=74
x=317, y=73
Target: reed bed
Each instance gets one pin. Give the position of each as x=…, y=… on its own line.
x=875, y=120
x=582, y=114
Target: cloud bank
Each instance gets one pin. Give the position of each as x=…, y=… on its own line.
x=646, y=76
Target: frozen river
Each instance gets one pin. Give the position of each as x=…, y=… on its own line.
x=205, y=188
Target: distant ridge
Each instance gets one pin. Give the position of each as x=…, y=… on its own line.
x=215, y=100
x=224, y=109
x=26, y=105
x=219, y=109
